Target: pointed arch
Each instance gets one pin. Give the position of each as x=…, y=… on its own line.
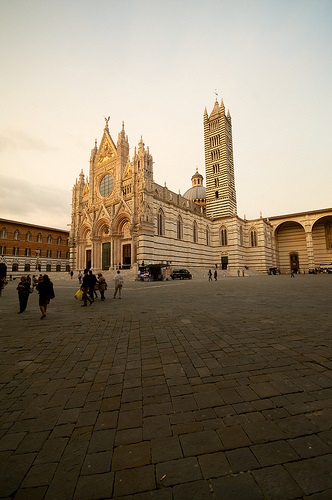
x=160, y=222
x=253, y=237
x=223, y=236
x=195, y=232
x=208, y=235
x=120, y=221
x=179, y=228
x=85, y=232
x=102, y=227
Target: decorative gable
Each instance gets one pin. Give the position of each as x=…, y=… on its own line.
x=128, y=172
x=107, y=149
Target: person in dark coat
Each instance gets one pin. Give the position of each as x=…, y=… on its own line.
x=92, y=286
x=46, y=293
x=23, y=290
x=85, y=288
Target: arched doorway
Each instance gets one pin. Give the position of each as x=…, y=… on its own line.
x=123, y=241
x=322, y=240
x=291, y=247
x=294, y=262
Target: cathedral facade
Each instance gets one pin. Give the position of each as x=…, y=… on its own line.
x=121, y=217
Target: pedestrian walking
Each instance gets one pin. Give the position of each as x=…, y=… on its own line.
x=102, y=286
x=210, y=275
x=118, y=281
x=3, y=283
x=92, y=286
x=46, y=293
x=215, y=275
x=85, y=288
x=80, y=277
x=23, y=290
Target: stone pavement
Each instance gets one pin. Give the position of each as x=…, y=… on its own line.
x=180, y=390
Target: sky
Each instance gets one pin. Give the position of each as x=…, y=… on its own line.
x=156, y=65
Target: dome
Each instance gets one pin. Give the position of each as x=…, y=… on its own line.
x=195, y=193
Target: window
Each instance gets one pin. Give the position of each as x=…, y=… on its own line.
x=49, y=253
x=48, y=268
x=160, y=223
x=28, y=236
x=49, y=239
x=67, y=255
x=3, y=233
x=106, y=185
x=217, y=195
x=58, y=268
x=28, y=252
x=59, y=240
x=241, y=235
x=58, y=254
x=207, y=233
x=179, y=228
x=15, y=267
x=27, y=268
x=16, y=251
x=195, y=232
x=3, y=250
x=17, y=235
x=253, y=238
x=223, y=237
x=39, y=238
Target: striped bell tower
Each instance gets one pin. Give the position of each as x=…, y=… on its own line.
x=219, y=168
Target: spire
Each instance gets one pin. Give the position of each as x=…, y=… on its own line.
x=81, y=176
x=141, y=145
x=215, y=110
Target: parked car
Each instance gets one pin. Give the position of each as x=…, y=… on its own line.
x=181, y=274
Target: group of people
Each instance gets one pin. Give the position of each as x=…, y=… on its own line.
x=215, y=275
x=90, y=283
x=43, y=285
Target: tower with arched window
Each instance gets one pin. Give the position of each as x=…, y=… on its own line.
x=219, y=167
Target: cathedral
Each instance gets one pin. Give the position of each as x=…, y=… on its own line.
x=122, y=218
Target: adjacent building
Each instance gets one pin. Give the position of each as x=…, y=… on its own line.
x=122, y=218
x=27, y=248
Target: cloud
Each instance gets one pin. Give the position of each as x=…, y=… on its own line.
x=33, y=203
x=15, y=139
